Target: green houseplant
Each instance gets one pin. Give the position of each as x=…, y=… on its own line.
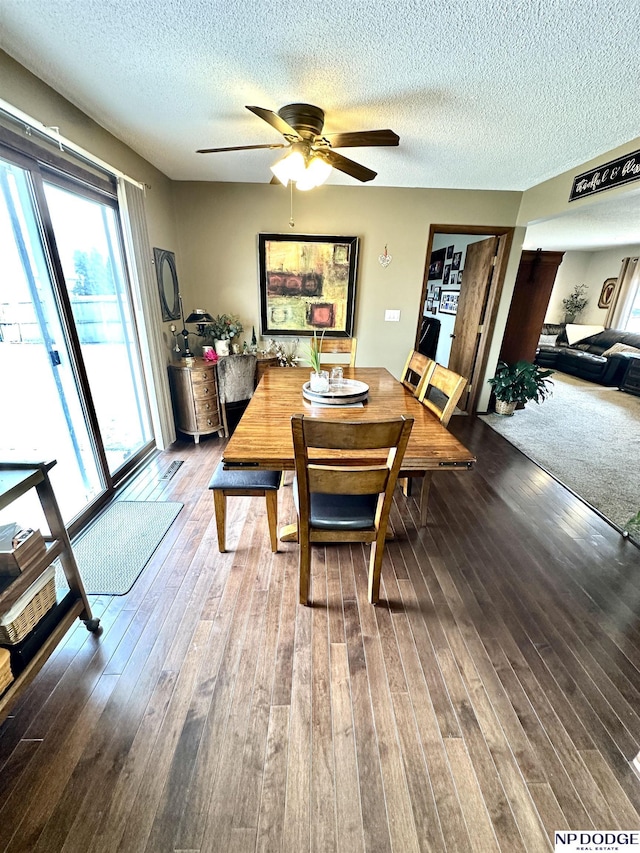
x=319, y=379
x=225, y=327
x=575, y=303
x=519, y=383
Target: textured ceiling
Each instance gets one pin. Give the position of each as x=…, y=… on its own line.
x=485, y=94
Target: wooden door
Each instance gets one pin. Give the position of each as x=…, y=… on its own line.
x=476, y=280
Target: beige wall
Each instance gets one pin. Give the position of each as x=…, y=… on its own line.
x=219, y=224
x=27, y=93
x=592, y=269
x=550, y=198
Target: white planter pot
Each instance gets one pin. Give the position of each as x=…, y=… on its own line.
x=222, y=347
x=319, y=382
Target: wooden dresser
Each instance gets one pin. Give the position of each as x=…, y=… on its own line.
x=194, y=392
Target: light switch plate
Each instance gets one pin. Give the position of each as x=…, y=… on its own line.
x=392, y=316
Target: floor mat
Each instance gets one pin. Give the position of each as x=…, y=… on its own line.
x=118, y=545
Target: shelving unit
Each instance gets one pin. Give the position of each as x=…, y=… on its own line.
x=15, y=480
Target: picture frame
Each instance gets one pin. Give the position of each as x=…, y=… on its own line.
x=436, y=293
x=606, y=294
x=446, y=274
x=450, y=250
x=449, y=301
x=459, y=277
x=456, y=260
x=167, y=279
x=307, y=283
x=436, y=264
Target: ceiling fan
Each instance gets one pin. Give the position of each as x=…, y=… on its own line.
x=311, y=154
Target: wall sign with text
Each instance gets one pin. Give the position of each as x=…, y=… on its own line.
x=609, y=175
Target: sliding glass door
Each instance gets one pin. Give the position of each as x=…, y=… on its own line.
x=87, y=239
x=70, y=372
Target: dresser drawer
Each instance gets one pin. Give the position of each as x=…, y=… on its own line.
x=204, y=391
x=206, y=406
x=203, y=374
x=207, y=422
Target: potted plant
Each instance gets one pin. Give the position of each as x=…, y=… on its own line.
x=519, y=383
x=575, y=303
x=222, y=331
x=319, y=379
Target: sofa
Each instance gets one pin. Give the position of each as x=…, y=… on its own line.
x=602, y=357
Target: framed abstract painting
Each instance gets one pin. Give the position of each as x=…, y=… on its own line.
x=307, y=283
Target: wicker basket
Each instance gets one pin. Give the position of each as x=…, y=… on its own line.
x=5, y=670
x=503, y=408
x=29, y=608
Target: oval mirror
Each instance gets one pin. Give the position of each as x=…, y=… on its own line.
x=168, y=289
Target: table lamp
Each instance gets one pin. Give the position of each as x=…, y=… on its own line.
x=198, y=317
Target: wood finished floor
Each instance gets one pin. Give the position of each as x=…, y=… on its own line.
x=492, y=698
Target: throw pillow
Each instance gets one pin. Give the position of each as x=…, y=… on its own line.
x=547, y=340
x=620, y=348
x=577, y=332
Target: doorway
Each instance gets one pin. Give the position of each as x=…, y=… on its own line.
x=464, y=274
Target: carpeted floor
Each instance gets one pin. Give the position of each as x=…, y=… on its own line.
x=115, y=549
x=586, y=436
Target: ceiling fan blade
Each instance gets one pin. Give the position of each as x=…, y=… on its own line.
x=275, y=121
x=362, y=138
x=238, y=148
x=350, y=167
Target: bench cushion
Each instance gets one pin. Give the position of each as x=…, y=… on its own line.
x=243, y=478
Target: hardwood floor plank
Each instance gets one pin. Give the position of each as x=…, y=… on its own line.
x=297, y=815
x=374, y=811
x=480, y=828
x=272, y=801
x=348, y=805
x=323, y=829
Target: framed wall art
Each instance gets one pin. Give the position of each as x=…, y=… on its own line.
x=436, y=264
x=307, y=283
x=167, y=278
x=606, y=294
x=449, y=301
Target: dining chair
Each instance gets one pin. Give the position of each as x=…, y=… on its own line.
x=235, y=483
x=417, y=372
x=236, y=382
x=343, y=490
x=344, y=346
x=448, y=387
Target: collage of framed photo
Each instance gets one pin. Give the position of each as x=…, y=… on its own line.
x=444, y=264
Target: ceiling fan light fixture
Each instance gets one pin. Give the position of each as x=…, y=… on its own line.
x=316, y=173
x=291, y=167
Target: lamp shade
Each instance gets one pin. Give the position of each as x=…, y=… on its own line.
x=289, y=168
x=199, y=315
x=316, y=173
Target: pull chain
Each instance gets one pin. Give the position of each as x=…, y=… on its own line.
x=291, y=222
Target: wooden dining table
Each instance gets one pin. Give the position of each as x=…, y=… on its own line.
x=263, y=438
